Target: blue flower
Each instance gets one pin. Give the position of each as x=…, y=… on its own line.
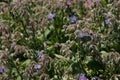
x=2, y=69
x=73, y=19
x=39, y=54
x=107, y=21
x=81, y=76
x=82, y=35
x=37, y=66
x=51, y=16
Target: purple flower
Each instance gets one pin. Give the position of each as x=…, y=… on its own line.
x=39, y=54
x=81, y=76
x=84, y=35
x=107, y=21
x=51, y=16
x=37, y=66
x=73, y=19
x=2, y=69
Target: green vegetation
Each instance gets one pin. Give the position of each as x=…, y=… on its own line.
x=60, y=40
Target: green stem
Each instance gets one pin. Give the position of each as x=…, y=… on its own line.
x=17, y=69
x=33, y=36
x=80, y=61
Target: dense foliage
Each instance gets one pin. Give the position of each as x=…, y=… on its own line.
x=60, y=40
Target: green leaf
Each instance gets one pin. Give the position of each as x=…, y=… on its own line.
x=18, y=78
x=60, y=57
x=51, y=27
x=26, y=62
x=88, y=59
x=103, y=53
x=47, y=31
